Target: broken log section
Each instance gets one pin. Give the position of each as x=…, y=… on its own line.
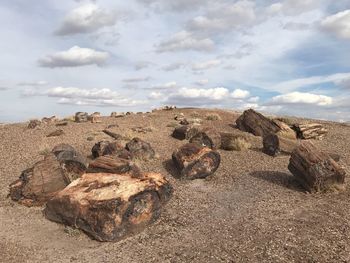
x=110, y=148
x=195, y=162
x=113, y=164
x=110, y=207
x=310, y=131
x=41, y=182
x=140, y=149
x=314, y=169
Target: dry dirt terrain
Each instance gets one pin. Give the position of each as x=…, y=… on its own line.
x=250, y=210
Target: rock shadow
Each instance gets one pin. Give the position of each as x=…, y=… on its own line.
x=279, y=178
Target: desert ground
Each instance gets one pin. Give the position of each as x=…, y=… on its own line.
x=251, y=210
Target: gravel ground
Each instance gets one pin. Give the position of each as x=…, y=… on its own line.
x=250, y=210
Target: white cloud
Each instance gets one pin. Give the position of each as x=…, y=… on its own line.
x=206, y=64
x=178, y=5
x=185, y=40
x=294, y=84
x=77, y=96
x=293, y=7
x=136, y=79
x=85, y=19
x=202, y=82
x=156, y=95
x=33, y=83
x=142, y=65
x=173, y=66
x=240, y=94
x=74, y=57
x=227, y=17
x=165, y=86
x=301, y=98
x=338, y=24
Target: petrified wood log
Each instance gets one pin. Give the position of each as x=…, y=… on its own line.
x=274, y=144
x=39, y=183
x=310, y=131
x=81, y=117
x=113, y=164
x=257, y=124
x=95, y=117
x=185, y=132
x=110, y=148
x=207, y=137
x=109, y=207
x=113, y=135
x=314, y=169
x=195, y=162
x=140, y=149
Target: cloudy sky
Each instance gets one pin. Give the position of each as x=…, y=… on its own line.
x=284, y=57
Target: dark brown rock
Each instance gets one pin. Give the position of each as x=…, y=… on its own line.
x=81, y=117
x=195, y=162
x=140, y=149
x=113, y=164
x=33, y=124
x=110, y=148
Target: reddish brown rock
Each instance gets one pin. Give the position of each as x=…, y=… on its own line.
x=113, y=164
x=315, y=170
x=195, y=162
x=110, y=207
x=140, y=149
x=185, y=132
x=110, y=148
x=207, y=137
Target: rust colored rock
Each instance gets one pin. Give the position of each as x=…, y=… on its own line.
x=259, y=125
x=110, y=207
x=113, y=164
x=195, y=162
x=315, y=170
x=185, y=132
x=140, y=149
x=207, y=137
x=110, y=148
x=81, y=117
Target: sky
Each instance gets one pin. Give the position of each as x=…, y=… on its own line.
x=284, y=57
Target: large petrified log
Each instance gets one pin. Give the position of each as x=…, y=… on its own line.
x=110, y=207
x=113, y=164
x=41, y=182
x=314, y=169
x=110, y=148
x=310, y=131
x=185, y=132
x=140, y=149
x=195, y=162
x=259, y=125
x=208, y=137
